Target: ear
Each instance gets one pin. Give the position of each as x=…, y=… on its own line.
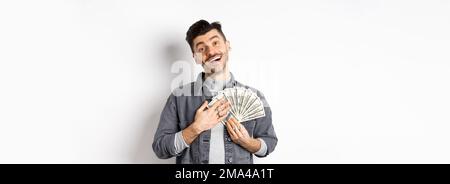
x=228, y=45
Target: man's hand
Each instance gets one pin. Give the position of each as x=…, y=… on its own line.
x=205, y=119
x=240, y=136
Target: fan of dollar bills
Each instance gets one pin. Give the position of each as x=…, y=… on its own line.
x=245, y=104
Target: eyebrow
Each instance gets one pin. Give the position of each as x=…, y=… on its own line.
x=196, y=45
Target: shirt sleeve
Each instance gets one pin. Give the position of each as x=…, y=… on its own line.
x=263, y=149
x=264, y=129
x=180, y=143
x=163, y=141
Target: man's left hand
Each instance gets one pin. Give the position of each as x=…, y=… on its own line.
x=237, y=132
x=239, y=135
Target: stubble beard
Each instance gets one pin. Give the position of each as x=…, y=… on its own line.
x=215, y=70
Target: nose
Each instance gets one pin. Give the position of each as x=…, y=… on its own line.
x=212, y=51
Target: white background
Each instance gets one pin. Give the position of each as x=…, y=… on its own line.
x=348, y=81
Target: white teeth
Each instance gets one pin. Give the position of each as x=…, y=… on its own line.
x=214, y=58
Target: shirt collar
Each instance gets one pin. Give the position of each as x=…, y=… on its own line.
x=198, y=91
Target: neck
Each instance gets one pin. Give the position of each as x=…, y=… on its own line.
x=224, y=75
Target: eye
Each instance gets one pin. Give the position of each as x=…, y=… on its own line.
x=216, y=43
x=201, y=49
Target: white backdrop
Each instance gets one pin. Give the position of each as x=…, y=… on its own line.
x=348, y=81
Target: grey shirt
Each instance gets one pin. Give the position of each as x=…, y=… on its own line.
x=179, y=113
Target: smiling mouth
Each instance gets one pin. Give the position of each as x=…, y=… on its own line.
x=214, y=59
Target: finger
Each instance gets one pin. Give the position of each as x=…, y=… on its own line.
x=224, y=105
x=229, y=126
x=233, y=121
x=222, y=118
x=224, y=111
x=203, y=106
x=238, y=127
x=215, y=105
x=244, y=131
x=235, y=126
x=223, y=101
x=224, y=114
x=230, y=129
x=240, y=130
x=232, y=133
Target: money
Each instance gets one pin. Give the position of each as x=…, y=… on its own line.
x=245, y=104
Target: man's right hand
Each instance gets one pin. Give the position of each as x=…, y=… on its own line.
x=206, y=118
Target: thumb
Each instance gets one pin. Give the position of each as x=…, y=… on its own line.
x=204, y=106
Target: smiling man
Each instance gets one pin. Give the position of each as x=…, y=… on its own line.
x=191, y=131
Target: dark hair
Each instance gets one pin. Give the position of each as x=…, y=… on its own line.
x=200, y=28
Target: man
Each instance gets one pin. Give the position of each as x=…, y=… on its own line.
x=191, y=131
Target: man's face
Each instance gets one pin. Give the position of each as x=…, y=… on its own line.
x=211, y=50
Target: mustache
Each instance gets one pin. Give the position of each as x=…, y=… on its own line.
x=214, y=57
